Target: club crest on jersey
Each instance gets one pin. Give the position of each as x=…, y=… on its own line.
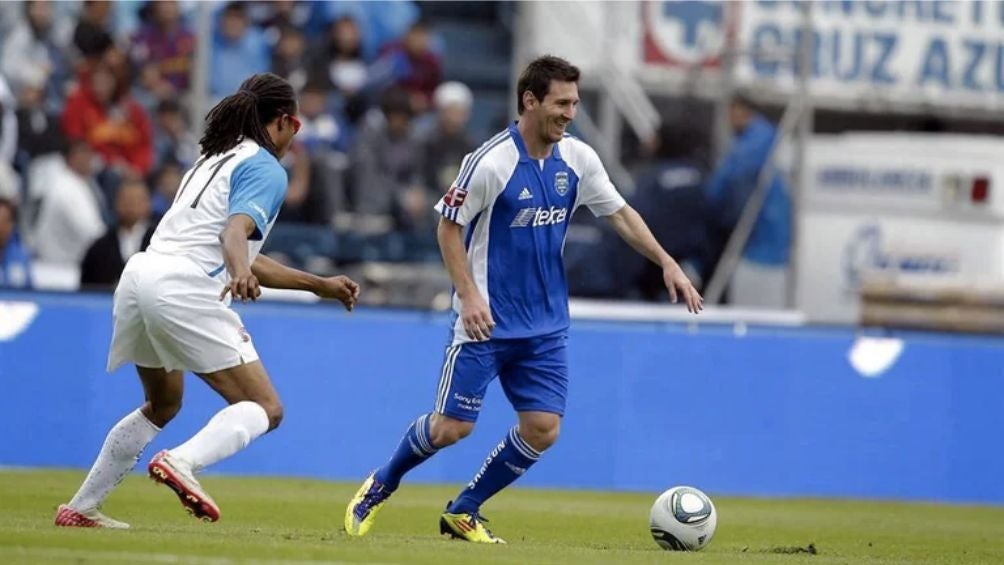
x=561, y=183
x=455, y=197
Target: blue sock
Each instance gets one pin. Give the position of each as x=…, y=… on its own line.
x=413, y=450
x=506, y=463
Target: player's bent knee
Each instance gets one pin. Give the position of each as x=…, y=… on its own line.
x=445, y=430
x=161, y=412
x=275, y=413
x=541, y=435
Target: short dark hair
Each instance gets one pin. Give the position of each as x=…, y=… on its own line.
x=537, y=77
x=743, y=98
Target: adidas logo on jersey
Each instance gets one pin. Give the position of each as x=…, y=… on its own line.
x=526, y=194
x=541, y=216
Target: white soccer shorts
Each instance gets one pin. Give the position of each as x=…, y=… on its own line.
x=167, y=313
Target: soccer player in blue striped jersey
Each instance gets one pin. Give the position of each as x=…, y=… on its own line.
x=171, y=310
x=514, y=196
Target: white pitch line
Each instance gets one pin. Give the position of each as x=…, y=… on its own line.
x=145, y=557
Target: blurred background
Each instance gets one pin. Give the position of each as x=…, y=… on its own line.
x=826, y=172
x=792, y=156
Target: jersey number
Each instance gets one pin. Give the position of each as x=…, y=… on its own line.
x=216, y=168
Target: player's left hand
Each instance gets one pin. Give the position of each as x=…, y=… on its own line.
x=680, y=286
x=340, y=288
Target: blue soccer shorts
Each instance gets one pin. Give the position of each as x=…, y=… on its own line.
x=533, y=373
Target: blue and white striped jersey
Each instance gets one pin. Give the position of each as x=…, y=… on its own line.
x=517, y=210
x=244, y=180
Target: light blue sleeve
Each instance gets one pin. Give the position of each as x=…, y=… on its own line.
x=257, y=190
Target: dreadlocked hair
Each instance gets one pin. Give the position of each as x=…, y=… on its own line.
x=244, y=114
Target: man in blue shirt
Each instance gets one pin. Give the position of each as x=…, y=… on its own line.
x=15, y=265
x=514, y=196
x=728, y=190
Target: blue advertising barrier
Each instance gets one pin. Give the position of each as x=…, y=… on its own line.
x=767, y=411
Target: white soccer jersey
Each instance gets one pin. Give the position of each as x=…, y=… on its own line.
x=244, y=180
x=517, y=210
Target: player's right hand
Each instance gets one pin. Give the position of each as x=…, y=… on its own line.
x=477, y=317
x=243, y=287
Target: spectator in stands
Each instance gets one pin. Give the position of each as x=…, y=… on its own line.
x=339, y=58
x=101, y=112
x=106, y=258
x=8, y=124
x=70, y=215
x=444, y=147
x=15, y=265
x=93, y=34
x=173, y=140
x=239, y=51
x=163, y=50
x=670, y=192
x=165, y=181
x=760, y=278
x=38, y=130
x=386, y=162
x=289, y=58
x=410, y=64
x=39, y=42
x=321, y=132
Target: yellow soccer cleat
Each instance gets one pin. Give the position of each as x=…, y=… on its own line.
x=362, y=509
x=468, y=527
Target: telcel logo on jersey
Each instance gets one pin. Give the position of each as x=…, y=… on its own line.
x=539, y=216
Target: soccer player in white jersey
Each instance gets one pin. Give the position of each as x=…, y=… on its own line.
x=514, y=196
x=171, y=309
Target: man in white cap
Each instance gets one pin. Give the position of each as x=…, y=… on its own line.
x=448, y=141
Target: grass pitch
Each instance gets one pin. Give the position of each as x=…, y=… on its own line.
x=291, y=521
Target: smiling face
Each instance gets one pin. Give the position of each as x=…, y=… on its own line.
x=552, y=115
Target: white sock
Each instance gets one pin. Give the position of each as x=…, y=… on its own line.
x=118, y=455
x=228, y=432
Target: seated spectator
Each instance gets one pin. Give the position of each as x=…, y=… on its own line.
x=166, y=181
x=106, y=258
x=70, y=213
x=289, y=57
x=410, y=64
x=305, y=197
x=93, y=34
x=239, y=51
x=38, y=132
x=320, y=132
x=339, y=59
x=173, y=140
x=386, y=163
x=15, y=265
x=39, y=42
x=164, y=48
x=446, y=144
x=101, y=112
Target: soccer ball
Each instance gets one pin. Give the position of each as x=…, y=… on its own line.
x=683, y=519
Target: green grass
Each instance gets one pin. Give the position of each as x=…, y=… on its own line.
x=270, y=520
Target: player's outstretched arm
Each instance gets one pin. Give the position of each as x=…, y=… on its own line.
x=273, y=274
x=474, y=311
x=632, y=229
x=243, y=283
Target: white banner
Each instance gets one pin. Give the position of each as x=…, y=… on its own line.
x=935, y=52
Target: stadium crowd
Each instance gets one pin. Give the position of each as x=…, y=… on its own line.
x=96, y=132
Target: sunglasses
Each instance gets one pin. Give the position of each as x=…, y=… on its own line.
x=297, y=124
